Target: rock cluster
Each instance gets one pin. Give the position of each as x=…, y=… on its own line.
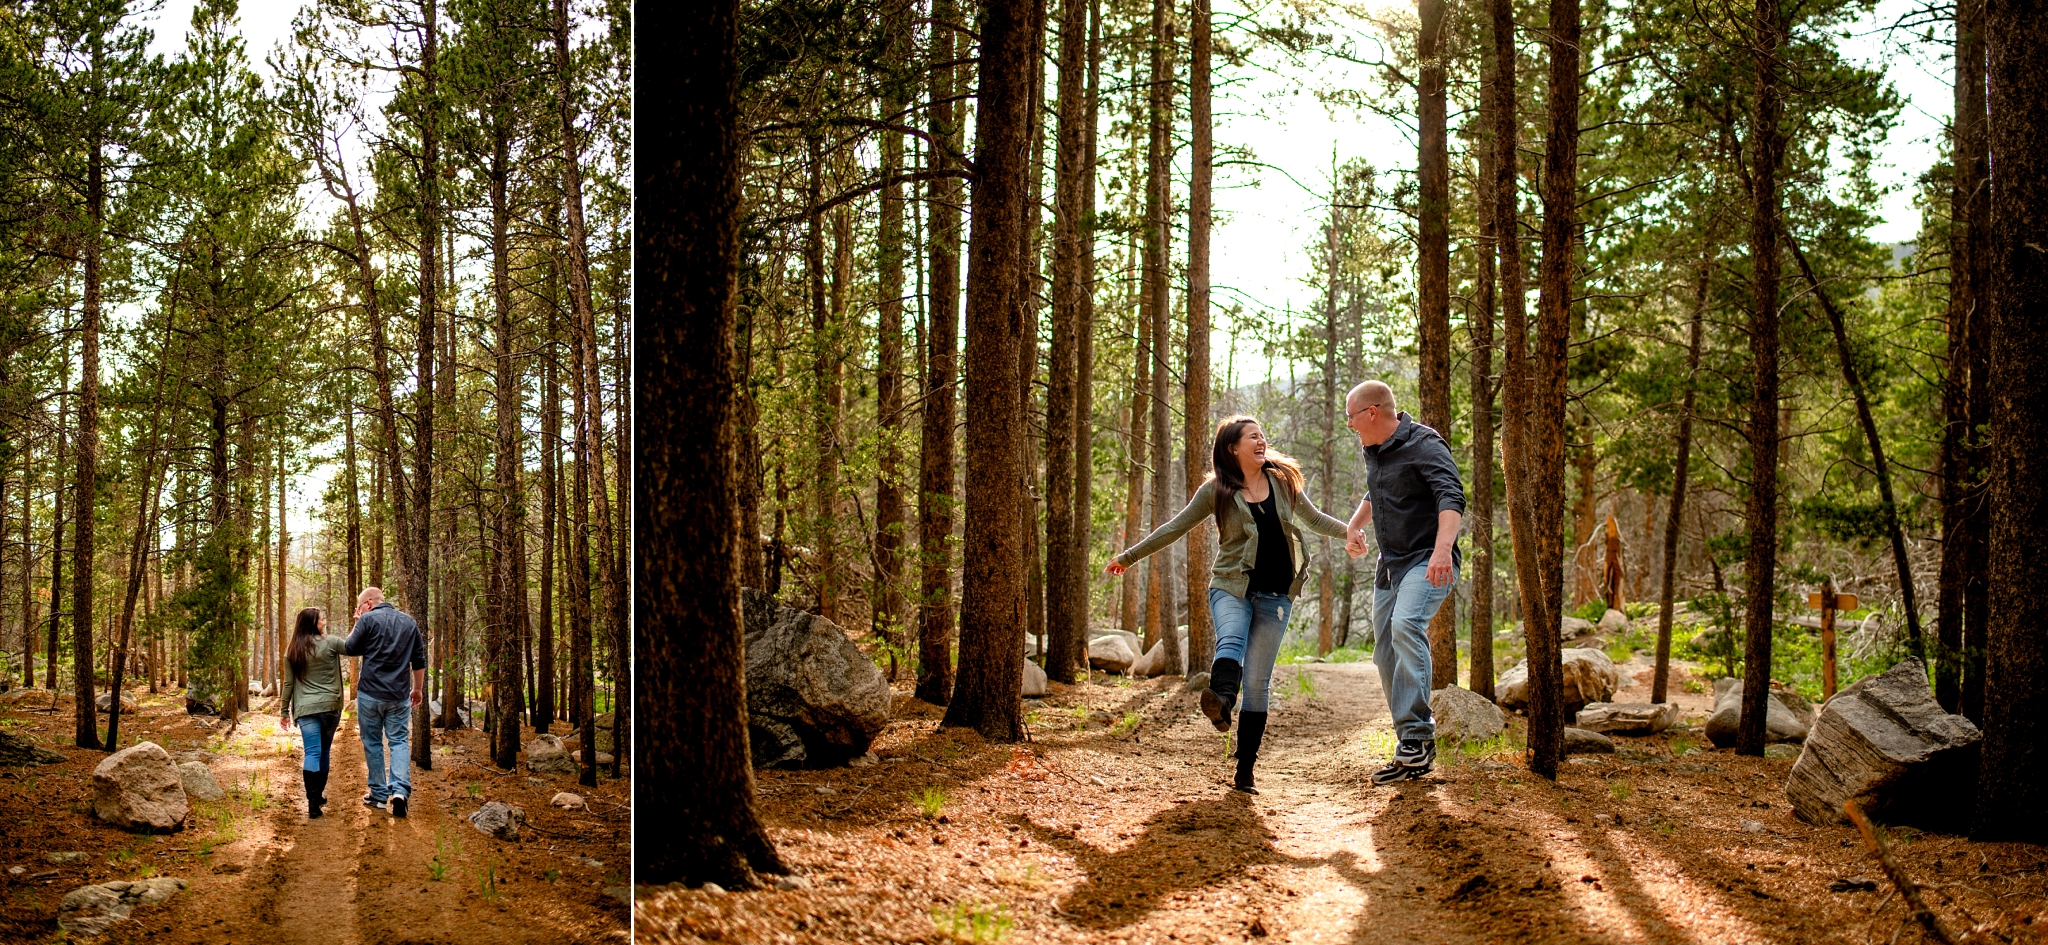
x=1787, y=720
x=137, y=788
x=92, y=910
x=1885, y=743
x=813, y=698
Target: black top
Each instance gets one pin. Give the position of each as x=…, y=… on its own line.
x=1409, y=478
x=391, y=645
x=1273, y=573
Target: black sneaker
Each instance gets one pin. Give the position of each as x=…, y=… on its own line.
x=372, y=803
x=1413, y=759
x=398, y=805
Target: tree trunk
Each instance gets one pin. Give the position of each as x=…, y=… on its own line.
x=1480, y=679
x=1201, y=202
x=1028, y=274
x=697, y=787
x=1132, y=586
x=1761, y=514
x=889, y=251
x=987, y=695
x=1544, y=476
x=935, y=465
x=1326, y=474
x=1066, y=600
x=2014, y=785
x=57, y=516
x=1080, y=574
x=416, y=572
x=1962, y=609
x=544, y=702
x=1681, y=474
x=86, y=485
x=1433, y=290
x=1158, y=303
x=509, y=546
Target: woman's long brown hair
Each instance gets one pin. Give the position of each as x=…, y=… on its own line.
x=303, y=637
x=1229, y=476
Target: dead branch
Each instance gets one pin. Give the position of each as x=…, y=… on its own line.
x=1908, y=890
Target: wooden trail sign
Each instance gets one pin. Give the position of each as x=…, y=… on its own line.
x=1828, y=602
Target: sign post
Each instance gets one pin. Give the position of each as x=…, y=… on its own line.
x=1828, y=602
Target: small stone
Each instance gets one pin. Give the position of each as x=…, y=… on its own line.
x=594, y=863
x=821, y=789
x=623, y=894
x=1578, y=741
x=792, y=882
x=536, y=781
x=16, y=870
x=499, y=819
x=67, y=857
x=567, y=801
x=1604, y=818
x=1751, y=826
x=713, y=888
x=868, y=760
x=1195, y=683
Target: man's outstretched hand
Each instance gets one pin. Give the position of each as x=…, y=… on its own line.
x=1115, y=567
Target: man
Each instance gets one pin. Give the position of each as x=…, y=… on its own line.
x=1416, y=504
x=392, y=681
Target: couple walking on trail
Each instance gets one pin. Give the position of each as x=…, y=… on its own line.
x=393, y=680
x=1414, y=501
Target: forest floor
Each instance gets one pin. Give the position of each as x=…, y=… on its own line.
x=261, y=872
x=1115, y=823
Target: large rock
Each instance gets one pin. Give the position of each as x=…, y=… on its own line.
x=813, y=698
x=92, y=910
x=1589, y=676
x=139, y=789
x=1788, y=719
x=106, y=702
x=1111, y=652
x=15, y=752
x=1613, y=621
x=1464, y=715
x=1154, y=662
x=1885, y=743
x=199, y=781
x=499, y=819
x=546, y=754
x=1034, y=679
x=31, y=698
x=1628, y=718
x=1578, y=741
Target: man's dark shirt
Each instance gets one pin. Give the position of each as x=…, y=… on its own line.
x=391, y=646
x=1409, y=478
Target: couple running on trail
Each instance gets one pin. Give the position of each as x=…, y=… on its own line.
x=1415, y=503
x=393, y=680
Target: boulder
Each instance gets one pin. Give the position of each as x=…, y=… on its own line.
x=1034, y=679
x=1578, y=741
x=15, y=752
x=1589, y=676
x=1788, y=719
x=1613, y=621
x=201, y=702
x=197, y=754
x=1464, y=715
x=138, y=788
x=604, y=724
x=92, y=910
x=545, y=754
x=1111, y=652
x=567, y=801
x=813, y=698
x=1628, y=718
x=1570, y=627
x=499, y=819
x=106, y=701
x=1154, y=662
x=1886, y=744
x=1196, y=682
x=199, y=782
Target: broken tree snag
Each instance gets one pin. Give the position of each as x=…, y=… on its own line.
x=1908, y=890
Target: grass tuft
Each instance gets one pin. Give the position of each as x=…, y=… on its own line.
x=974, y=922
x=931, y=801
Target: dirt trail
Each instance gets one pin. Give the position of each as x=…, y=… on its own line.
x=1116, y=824
x=261, y=872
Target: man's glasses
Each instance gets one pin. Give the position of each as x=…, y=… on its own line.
x=1348, y=414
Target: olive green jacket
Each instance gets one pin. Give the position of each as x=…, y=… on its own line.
x=1237, y=544
x=321, y=689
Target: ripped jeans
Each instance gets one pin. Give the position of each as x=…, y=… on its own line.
x=1248, y=630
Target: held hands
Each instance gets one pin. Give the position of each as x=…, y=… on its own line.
x=1115, y=567
x=1355, y=544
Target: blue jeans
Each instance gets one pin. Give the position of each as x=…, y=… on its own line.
x=1248, y=630
x=316, y=732
x=382, y=720
x=1401, y=613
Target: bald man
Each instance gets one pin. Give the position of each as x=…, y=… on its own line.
x=1416, y=503
x=392, y=681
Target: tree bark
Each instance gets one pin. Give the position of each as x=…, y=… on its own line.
x=1158, y=304
x=1480, y=678
x=889, y=251
x=86, y=484
x=544, y=703
x=696, y=786
x=1080, y=574
x=1761, y=514
x=1066, y=600
x=987, y=694
x=1433, y=289
x=1961, y=608
x=1132, y=586
x=1681, y=475
x=2014, y=784
x=1195, y=395
x=509, y=546
x=935, y=465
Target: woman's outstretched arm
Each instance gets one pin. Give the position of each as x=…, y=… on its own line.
x=1202, y=505
x=1316, y=520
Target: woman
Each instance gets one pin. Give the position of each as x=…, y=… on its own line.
x=1255, y=494
x=313, y=696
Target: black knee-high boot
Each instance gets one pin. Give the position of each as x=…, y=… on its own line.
x=1221, y=695
x=316, y=787
x=1251, y=730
